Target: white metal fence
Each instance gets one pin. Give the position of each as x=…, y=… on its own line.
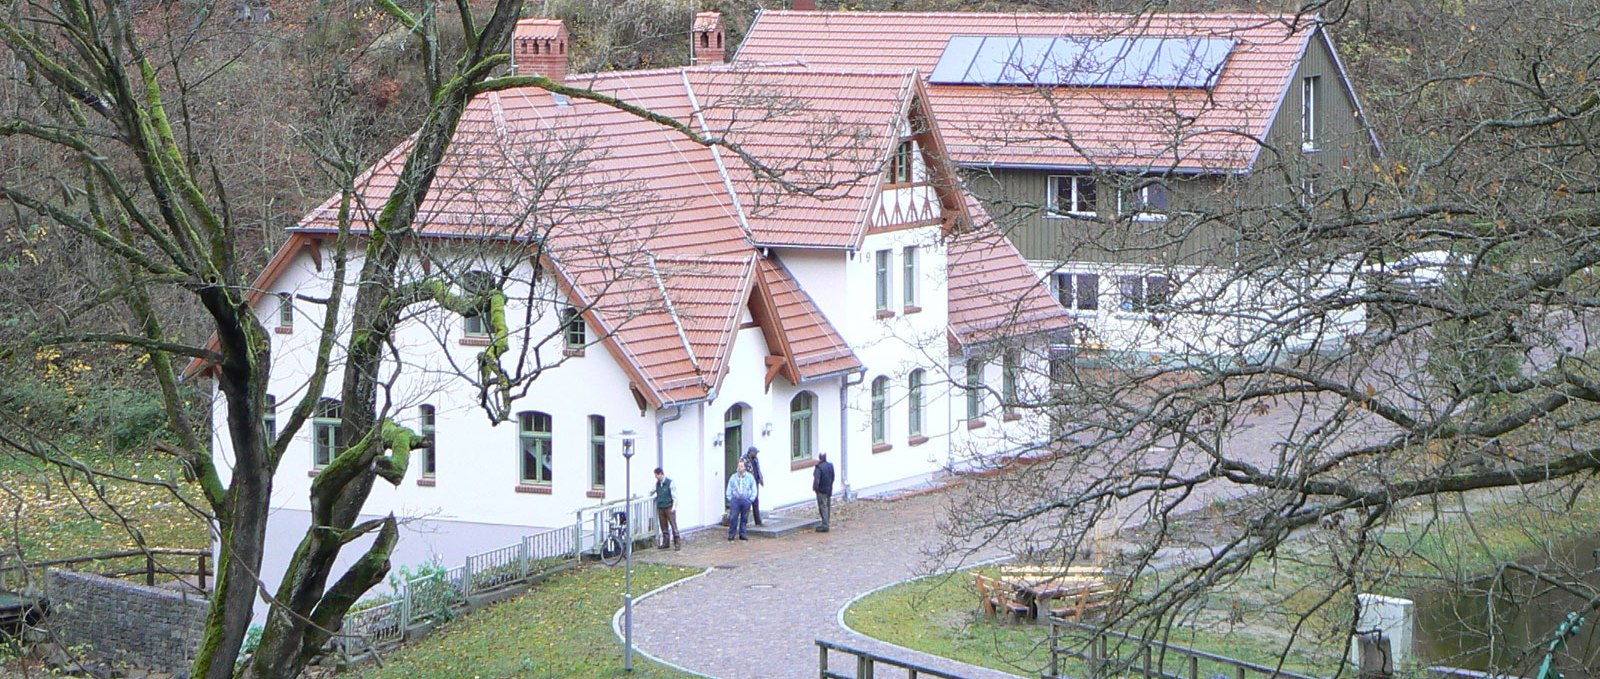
x=436, y=595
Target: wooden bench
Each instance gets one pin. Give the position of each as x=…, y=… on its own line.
x=1093, y=599
x=995, y=597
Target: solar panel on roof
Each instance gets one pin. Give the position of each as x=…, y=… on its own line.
x=1081, y=61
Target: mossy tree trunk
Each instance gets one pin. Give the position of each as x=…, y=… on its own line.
x=135, y=190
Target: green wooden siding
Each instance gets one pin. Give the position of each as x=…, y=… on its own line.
x=1017, y=198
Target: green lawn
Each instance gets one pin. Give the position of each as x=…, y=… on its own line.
x=560, y=628
x=1252, y=617
x=50, y=512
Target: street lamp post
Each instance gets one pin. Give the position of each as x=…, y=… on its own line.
x=628, y=437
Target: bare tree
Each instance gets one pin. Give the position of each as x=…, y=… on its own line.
x=1348, y=396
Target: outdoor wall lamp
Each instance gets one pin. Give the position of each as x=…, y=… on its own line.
x=716, y=441
x=766, y=429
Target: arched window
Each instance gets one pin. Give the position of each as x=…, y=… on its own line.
x=285, y=312
x=802, y=426
x=534, y=439
x=914, y=403
x=974, y=389
x=426, y=419
x=573, y=329
x=880, y=411
x=475, y=323
x=325, y=421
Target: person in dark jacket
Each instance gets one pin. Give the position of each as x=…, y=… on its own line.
x=753, y=465
x=822, y=483
x=667, y=512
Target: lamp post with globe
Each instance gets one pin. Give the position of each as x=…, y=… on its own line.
x=628, y=437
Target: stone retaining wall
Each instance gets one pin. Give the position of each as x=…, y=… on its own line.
x=122, y=621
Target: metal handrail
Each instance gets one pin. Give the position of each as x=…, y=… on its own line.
x=866, y=662
x=1097, y=655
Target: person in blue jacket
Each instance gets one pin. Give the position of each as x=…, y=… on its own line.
x=741, y=492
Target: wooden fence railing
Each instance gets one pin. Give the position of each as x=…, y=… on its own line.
x=14, y=576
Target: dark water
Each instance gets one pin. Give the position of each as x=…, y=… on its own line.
x=1505, y=624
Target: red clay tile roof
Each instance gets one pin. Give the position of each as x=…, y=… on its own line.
x=814, y=345
x=993, y=291
x=650, y=227
x=1100, y=127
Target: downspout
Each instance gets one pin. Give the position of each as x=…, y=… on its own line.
x=844, y=431
x=661, y=423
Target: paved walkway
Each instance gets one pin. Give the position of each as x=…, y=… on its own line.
x=760, y=611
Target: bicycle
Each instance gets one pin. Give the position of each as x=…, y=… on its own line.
x=613, y=546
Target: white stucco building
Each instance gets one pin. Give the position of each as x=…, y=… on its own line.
x=827, y=298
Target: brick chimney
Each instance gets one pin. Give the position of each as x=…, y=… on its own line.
x=540, y=46
x=706, y=39
x=803, y=5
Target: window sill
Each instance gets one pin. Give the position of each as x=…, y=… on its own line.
x=1146, y=217
x=796, y=465
x=911, y=309
x=1071, y=215
x=885, y=313
x=916, y=440
x=881, y=448
x=474, y=341
x=284, y=330
x=572, y=353
x=313, y=471
x=595, y=493
x=977, y=424
x=427, y=482
x=1012, y=416
x=536, y=489
x=1309, y=147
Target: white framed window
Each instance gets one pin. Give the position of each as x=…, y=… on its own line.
x=974, y=388
x=285, y=312
x=881, y=276
x=573, y=329
x=802, y=426
x=597, y=452
x=325, y=421
x=269, y=419
x=914, y=403
x=908, y=270
x=1072, y=195
x=1310, y=89
x=1144, y=292
x=880, y=411
x=1078, y=291
x=1008, y=379
x=1148, y=200
x=903, y=164
x=534, y=443
x=427, y=418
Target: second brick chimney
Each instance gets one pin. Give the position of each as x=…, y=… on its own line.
x=706, y=39
x=540, y=46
